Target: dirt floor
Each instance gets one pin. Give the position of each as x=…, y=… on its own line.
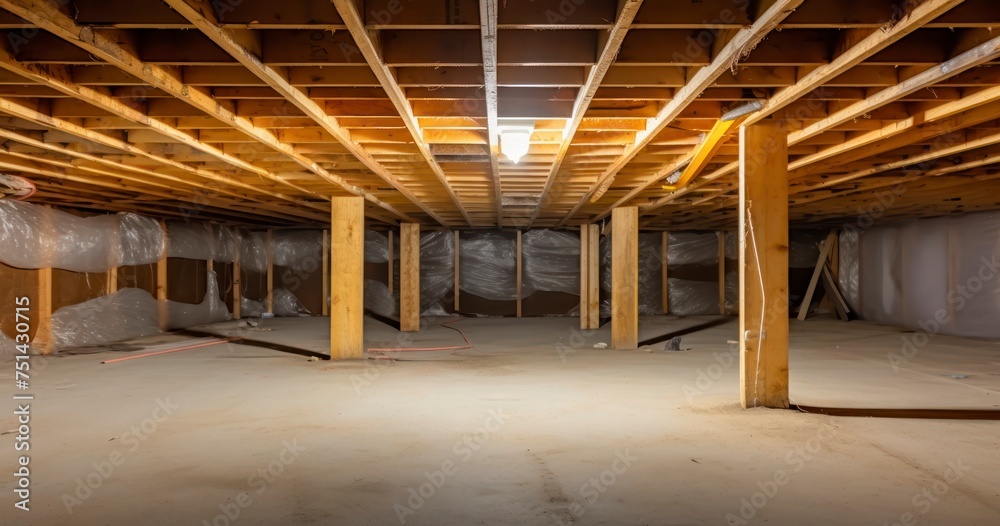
x=531, y=426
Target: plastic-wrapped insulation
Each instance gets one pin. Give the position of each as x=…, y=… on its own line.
x=650, y=274
x=850, y=268
x=692, y=298
x=692, y=248
x=8, y=347
x=210, y=310
x=253, y=251
x=551, y=260
x=191, y=240
x=227, y=242
x=140, y=240
x=437, y=267
x=286, y=304
x=732, y=292
x=379, y=300
x=938, y=275
x=733, y=245
x=126, y=314
x=803, y=248
x=489, y=266
x=298, y=249
x=376, y=247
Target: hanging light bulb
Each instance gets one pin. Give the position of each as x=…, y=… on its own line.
x=514, y=144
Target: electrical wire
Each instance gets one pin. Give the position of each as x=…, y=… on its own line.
x=447, y=324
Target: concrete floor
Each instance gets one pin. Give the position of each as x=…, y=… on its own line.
x=532, y=426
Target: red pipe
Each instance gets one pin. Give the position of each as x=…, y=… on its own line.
x=188, y=347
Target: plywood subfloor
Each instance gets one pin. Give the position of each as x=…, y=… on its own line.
x=366, y=433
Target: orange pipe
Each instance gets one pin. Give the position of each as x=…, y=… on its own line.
x=186, y=348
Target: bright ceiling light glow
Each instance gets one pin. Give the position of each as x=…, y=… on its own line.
x=514, y=144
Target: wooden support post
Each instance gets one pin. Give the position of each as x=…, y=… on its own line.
x=392, y=262
x=722, y=272
x=664, y=264
x=161, y=281
x=409, y=277
x=326, y=272
x=270, y=270
x=584, y=275
x=763, y=235
x=519, y=273
x=43, y=310
x=457, y=288
x=237, y=294
x=625, y=278
x=112, y=285
x=347, y=284
x=594, y=277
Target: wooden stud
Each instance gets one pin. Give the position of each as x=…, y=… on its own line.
x=409, y=277
x=722, y=272
x=518, y=278
x=457, y=287
x=326, y=272
x=270, y=270
x=824, y=254
x=43, y=332
x=594, y=277
x=392, y=262
x=763, y=239
x=664, y=266
x=584, y=275
x=625, y=278
x=347, y=284
x=237, y=294
x=161, y=281
x=112, y=277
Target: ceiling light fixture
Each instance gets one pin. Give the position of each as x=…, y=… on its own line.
x=515, y=138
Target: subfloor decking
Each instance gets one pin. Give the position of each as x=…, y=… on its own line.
x=532, y=426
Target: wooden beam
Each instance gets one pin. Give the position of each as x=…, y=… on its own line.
x=743, y=41
x=763, y=235
x=112, y=277
x=625, y=278
x=270, y=270
x=594, y=276
x=612, y=42
x=409, y=277
x=348, y=11
x=161, y=281
x=488, y=15
x=457, y=288
x=664, y=267
x=246, y=47
x=824, y=254
x=237, y=293
x=347, y=283
x=876, y=40
x=325, y=301
x=722, y=271
x=584, y=276
x=518, y=274
x=392, y=262
x=114, y=47
x=976, y=56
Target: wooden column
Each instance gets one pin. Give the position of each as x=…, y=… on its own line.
x=519, y=274
x=270, y=270
x=347, y=284
x=584, y=275
x=326, y=272
x=112, y=277
x=763, y=235
x=409, y=277
x=392, y=263
x=457, y=288
x=665, y=264
x=722, y=272
x=625, y=277
x=43, y=310
x=161, y=281
x=237, y=294
x=594, y=276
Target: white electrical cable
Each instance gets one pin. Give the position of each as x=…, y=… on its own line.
x=763, y=304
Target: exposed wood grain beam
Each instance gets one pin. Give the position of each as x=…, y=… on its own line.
x=488, y=14
x=645, y=185
x=117, y=49
x=245, y=47
x=875, y=41
x=612, y=43
x=744, y=40
x=348, y=10
x=978, y=55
